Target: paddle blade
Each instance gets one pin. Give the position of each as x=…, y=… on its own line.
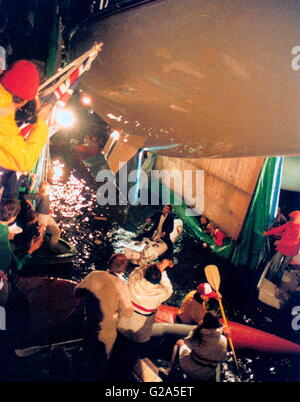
x=213, y=276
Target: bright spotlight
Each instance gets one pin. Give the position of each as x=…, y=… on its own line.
x=65, y=118
x=115, y=135
x=86, y=100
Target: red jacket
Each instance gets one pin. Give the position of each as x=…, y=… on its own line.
x=289, y=244
x=218, y=237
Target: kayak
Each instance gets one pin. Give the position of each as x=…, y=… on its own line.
x=51, y=303
x=243, y=336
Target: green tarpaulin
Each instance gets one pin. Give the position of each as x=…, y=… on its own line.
x=261, y=214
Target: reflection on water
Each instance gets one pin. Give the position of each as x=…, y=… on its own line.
x=57, y=170
x=76, y=210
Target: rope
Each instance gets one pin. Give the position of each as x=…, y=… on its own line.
x=63, y=74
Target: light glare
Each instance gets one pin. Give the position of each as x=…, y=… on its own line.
x=86, y=100
x=115, y=135
x=65, y=118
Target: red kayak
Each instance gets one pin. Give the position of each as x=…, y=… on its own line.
x=243, y=337
x=51, y=301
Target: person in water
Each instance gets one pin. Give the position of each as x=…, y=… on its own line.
x=42, y=200
x=193, y=306
x=203, y=222
x=163, y=225
x=217, y=235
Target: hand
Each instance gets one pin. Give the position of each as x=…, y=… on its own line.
x=11, y=236
x=44, y=112
x=30, y=204
x=3, y=275
x=41, y=228
x=163, y=234
x=170, y=263
x=35, y=244
x=218, y=296
x=180, y=342
x=226, y=331
x=165, y=264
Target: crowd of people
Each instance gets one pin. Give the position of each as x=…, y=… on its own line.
x=131, y=315
x=120, y=317
x=119, y=314
x=18, y=157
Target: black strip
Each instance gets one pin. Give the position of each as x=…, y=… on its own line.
x=145, y=315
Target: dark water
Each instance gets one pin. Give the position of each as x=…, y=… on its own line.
x=75, y=206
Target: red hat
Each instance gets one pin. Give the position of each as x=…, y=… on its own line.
x=206, y=290
x=22, y=80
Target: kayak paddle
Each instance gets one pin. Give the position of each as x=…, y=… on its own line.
x=213, y=278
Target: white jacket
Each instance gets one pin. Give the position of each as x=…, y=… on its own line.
x=200, y=360
x=145, y=297
x=114, y=300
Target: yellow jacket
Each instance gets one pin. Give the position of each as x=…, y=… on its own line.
x=191, y=311
x=15, y=152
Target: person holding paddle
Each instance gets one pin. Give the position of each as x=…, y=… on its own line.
x=193, y=307
x=197, y=356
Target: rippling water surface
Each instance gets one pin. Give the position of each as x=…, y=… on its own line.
x=76, y=211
